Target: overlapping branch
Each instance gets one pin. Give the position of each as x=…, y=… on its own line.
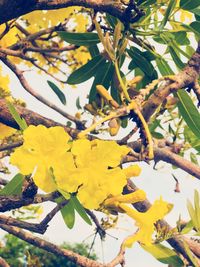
x=186, y=78
x=43, y=244
x=163, y=153
x=13, y=9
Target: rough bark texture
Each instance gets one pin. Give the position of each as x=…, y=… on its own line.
x=185, y=78
x=15, y=8
x=30, y=117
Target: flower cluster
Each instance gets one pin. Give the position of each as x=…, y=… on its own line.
x=90, y=168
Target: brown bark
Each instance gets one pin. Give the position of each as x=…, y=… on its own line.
x=3, y=263
x=185, y=78
x=38, y=242
x=15, y=8
x=31, y=118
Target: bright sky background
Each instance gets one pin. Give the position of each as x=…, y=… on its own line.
x=155, y=183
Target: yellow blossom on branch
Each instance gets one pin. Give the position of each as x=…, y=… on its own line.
x=96, y=171
x=145, y=221
x=80, y=166
x=42, y=149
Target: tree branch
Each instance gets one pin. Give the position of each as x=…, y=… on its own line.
x=3, y=263
x=33, y=227
x=30, y=90
x=13, y=202
x=185, y=78
x=31, y=118
x=175, y=241
x=166, y=155
x=15, y=8
x=38, y=242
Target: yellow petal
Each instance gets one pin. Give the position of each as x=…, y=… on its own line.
x=132, y=171
x=6, y=131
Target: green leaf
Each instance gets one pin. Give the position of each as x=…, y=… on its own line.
x=58, y=92
x=181, y=38
x=170, y=8
x=196, y=27
x=191, y=212
x=111, y=20
x=140, y=61
x=185, y=105
x=78, y=103
x=86, y=39
x=189, y=112
x=189, y=4
x=191, y=138
x=103, y=77
x=94, y=51
x=20, y=121
x=197, y=208
x=190, y=255
x=68, y=214
x=65, y=194
x=164, y=254
x=14, y=187
x=80, y=209
x=193, y=158
x=146, y=3
x=176, y=57
x=163, y=67
x=189, y=226
x=196, y=11
x=124, y=122
x=88, y=70
x=157, y=135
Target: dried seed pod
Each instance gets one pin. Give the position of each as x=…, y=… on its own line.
x=114, y=126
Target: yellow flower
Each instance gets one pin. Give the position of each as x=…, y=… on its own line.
x=5, y=131
x=80, y=56
x=133, y=170
x=145, y=221
x=42, y=149
x=96, y=171
x=10, y=37
x=83, y=166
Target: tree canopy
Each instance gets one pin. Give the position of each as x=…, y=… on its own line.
x=140, y=61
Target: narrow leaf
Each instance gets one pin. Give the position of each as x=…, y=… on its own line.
x=14, y=187
x=102, y=77
x=86, y=39
x=191, y=212
x=164, y=254
x=58, y=92
x=86, y=71
x=189, y=112
x=176, y=58
x=197, y=208
x=111, y=20
x=78, y=103
x=189, y=4
x=141, y=62
x=170, y=8
x=20, y=121
x=189, y=226
x=94, y=51
x=190, y=255
x=68, y=214
x=80, y=209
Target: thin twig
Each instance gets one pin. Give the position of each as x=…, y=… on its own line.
x=29, y=89
x=43, y=244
